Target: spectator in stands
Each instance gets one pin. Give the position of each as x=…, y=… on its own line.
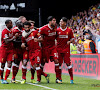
x=89, y=45
x=97, y=40
x=86, y=22
x=73, y=47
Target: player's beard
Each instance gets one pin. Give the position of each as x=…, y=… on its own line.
x=9, y=27
x=27, y=31
x=53, y=26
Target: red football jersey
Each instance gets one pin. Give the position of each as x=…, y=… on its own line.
x=17, y=41
x=30, y=41
x=49, y=36
x=6, y=34
x=16, y=30
x=63, y=36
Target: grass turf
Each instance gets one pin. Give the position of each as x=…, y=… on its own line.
x=80, y=83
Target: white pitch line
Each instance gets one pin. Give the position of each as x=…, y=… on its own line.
x=37, y=85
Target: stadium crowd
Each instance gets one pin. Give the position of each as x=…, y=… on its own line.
x=86, y=22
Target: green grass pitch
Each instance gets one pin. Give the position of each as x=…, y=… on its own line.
x=80, y=83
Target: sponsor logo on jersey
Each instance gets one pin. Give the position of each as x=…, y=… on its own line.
x=52, y=34
x=29, y=38
x=63, y=36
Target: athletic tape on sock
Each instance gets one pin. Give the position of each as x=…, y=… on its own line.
x=69, y=67
x=37, y=68
x=57, y=64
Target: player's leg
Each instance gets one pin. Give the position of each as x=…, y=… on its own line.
x=54, y=57
x=7, y=73
x=32, y=74
x=57, y=71
x=36, y=62
x=44, y=59
x=15, y=67
x=24, y=70
x=42, y=66
x=24, y=65
x=60, y=59
x=2, y=65
x=37, y=68
x=42, y=63
x=68, y=63
x=70, y=71
x=44, y=55
x=3, y=59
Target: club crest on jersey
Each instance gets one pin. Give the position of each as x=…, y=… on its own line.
x=25, y=55
x=67, y=33
x=31, y=34
x=2, y=59
x=38, y=34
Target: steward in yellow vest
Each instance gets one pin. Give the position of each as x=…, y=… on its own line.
x=89, y=45
x=73, y=48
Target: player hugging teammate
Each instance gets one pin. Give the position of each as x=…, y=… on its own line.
x=22, y=43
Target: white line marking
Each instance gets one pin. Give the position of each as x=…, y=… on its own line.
x=36, y=85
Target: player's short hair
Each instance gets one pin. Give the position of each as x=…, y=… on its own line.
x=64, y=19
x=19, y=23
x=50, y=18
x=7, y=21
x=27, y=23
x=31, y=21
x=21, y=17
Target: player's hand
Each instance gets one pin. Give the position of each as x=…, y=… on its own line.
x=23, y=46
x=26, y=48
x=35, y=40
x=68, y=43
x=16, y=35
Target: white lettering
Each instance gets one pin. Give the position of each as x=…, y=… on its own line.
x=52, y=34
x=63, y=36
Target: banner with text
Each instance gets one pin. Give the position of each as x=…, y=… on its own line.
x=83, y=65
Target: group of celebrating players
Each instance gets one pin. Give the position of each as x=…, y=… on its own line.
x=24, y=42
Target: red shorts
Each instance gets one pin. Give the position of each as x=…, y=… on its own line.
x=6, y=55
x=64, y=57
x=50, y=53
x=25, y=54
x=18, y=54
x=35, y=57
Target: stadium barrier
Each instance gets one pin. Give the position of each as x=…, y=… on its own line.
x=83, y=66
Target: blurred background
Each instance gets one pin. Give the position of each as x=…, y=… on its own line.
x=30, y=9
